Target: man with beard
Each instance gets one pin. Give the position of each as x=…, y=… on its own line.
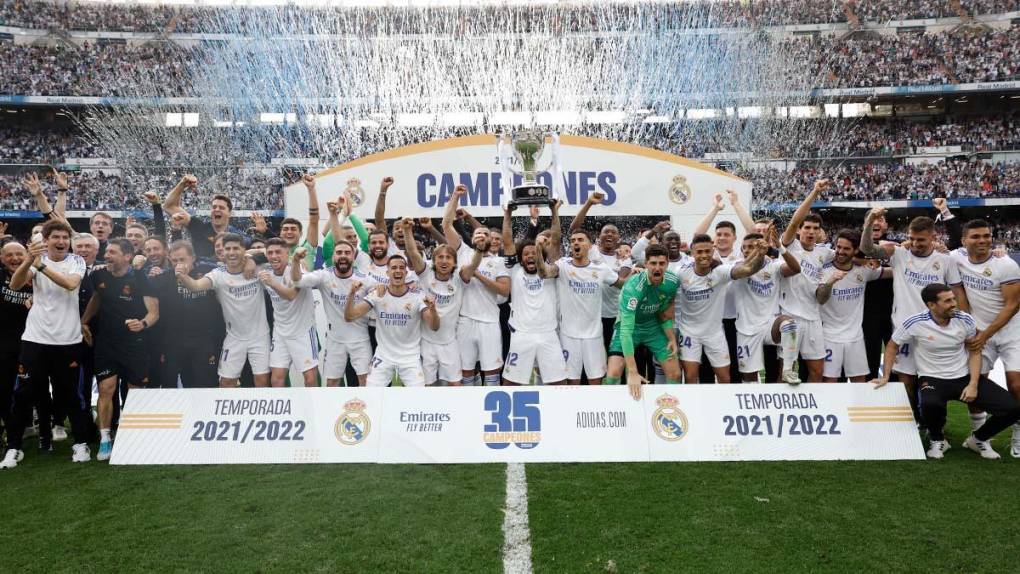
x=125, y=304
x=605, y=253
x=345, y=340
x=646, y=318
x=701, y=297
x=579, y=290
x=50, y=343
x=533, y=339
x=914, y=268
x=294, y=339
x=841, y=305
x=991, y=293
x=160, y=274
x=194, y=322
x=478, y=329
x=878, y=305
x=244, y=312
x=290, y=228
x=948, y=365
x=13, y=314
x=399, y=311
x=445, y=283
x=203, y=233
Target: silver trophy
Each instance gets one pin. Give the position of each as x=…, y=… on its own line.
x=527, y=147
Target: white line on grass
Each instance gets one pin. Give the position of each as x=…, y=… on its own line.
x=516, y=534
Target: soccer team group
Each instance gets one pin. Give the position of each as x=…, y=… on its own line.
x=215, y=306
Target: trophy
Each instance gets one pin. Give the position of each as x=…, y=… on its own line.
x=526, y=147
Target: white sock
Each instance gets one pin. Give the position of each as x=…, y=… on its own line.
x=468, y=381
x=977, y=420
x=492, y=380
x=104, y=435
x=788, y=343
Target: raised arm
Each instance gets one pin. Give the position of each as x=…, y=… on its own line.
x=953, y=227
x=172, y=203
x=706, y=222
x=742, y=214
x=544, y=269
x=190, y=283
x=355, y=310
x=753, y=264
x=380, y=204
x=449, y=214
x=791, y=265
x=467, y=271
x=312, y=234
x=411, y=246
x=60, y=209
x=430, y=314
x=555, y=232
x=295, y=264
x=868, y=247
x=824, y=291
x=158, y=221
x=286, y=291
x=790, y=233
x=435, y=234
x=509, y=249
x=578, y=221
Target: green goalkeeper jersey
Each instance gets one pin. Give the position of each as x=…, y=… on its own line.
x=641, y=304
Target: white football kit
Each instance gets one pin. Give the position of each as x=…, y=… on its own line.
x=398, y=336
x=939, y=352
x=911, y=274
x=533, y=329
x=478, y=334
x=344, y=341
x=439, y=350
x=702, y=299
x=244, y=312
x=579, y=292
x=757, y=301
x=983, y=283
x=294, y=338
x=797, y=298
x=842, y=316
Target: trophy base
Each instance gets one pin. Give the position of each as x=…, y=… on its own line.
x=530, y=194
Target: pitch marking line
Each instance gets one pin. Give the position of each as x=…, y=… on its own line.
x=516, y=534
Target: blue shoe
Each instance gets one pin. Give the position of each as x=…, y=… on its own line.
x=105, y=450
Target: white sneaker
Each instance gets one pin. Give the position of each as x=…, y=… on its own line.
x=12, y=458
x=984, y=448
x=1014, y=449
x=791, y=377
x=59, y=433
x=938, y=448
x=81, y=453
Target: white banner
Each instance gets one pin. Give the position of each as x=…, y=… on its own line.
x=634, y=180
x=517, y=424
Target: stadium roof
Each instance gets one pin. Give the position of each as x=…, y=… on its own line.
x=370, y=3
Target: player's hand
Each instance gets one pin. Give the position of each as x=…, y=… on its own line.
x=155, y=271
x=189, y=181
x=970, y=392
x=177, y=220
x=671, y=347
x=36, y=249
x=299, y=254
x=480, y=242
x=60, y=179
x=634, y=382
x=249, y=269
x=732, y=196
x=837, y=276
x=86, y=334
x=661, y=227
x=408, y=224
x=978, y=342
x=873, y=214
x=28, y=303
x=821, y=185
x=879, y=382
x=386, y=183
x=3, y=228
x=33, y=184
x=541, y=242
x=347, y=205
x=259, y=221
x=461, y=213
x=999, y=252
x=332, y=207
x=134, y=325
x=180, y=270
x=138, y=261
x=772, y=235
x=425, y=223
x=719, y=205
x=940, y=247
x=355, y=287
x=265, y=277
x=380, y=290
x=939, y=203
x=309, y=181
x=873, y=263
x=151, y=197
x=595, y=198
x=430, y=302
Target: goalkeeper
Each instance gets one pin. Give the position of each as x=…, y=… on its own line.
x=646, y=318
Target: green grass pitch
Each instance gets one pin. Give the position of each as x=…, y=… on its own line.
x=955, y=515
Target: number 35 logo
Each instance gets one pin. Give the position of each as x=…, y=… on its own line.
x=516, y=419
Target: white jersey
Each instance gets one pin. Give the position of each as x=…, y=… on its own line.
x=797, y=293
x=938, y=351
x=532, y=302
x=378, y=273
x=911, y=274
x=610, y=294
x=244, y=306
x=291, y=318
x=702, y=298
x=481, y=304
x=449, y=297
x=983, y=283
x=579, y=291
x=730, y=306
x=334, y=292
x=398, y=325
x=757, y=298
x=843, y=313
x=674, y=267
x=53, y=318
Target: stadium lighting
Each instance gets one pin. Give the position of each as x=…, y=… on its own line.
x=749, y=112
x=366, y=124
x=271, y=118
x=174, y=120
x=511, y=119
x=416, y=120
x=605, y=117
x=558, y=117
x=190, y=119
x=702, y=113
x=455, y=119
x=657, y=120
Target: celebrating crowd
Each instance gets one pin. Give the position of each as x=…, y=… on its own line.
x=483, y=306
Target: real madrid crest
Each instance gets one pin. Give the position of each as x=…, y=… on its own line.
x=987, y=272
x=936, y=266
x=680, y=191
x=357, y=192
x=669, y=422
x=353, y=425
x=860, y=278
